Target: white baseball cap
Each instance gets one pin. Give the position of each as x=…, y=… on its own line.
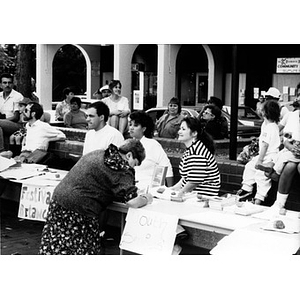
x=273, y=92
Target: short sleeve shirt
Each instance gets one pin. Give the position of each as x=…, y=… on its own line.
x=10, y=105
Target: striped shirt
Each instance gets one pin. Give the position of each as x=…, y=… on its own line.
x=198, y=165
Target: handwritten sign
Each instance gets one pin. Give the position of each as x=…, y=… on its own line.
x=149, y=232
x=34, y=202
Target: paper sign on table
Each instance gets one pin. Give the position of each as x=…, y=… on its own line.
x=34, y=202
x=149, y=232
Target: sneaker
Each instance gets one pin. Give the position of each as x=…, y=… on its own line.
x=243, y=195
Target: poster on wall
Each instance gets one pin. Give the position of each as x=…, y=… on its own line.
x=34, y=202
x=288, y=65
x=138, y=102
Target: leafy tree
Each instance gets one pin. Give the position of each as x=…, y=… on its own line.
x=20, y=61
x=25, y=69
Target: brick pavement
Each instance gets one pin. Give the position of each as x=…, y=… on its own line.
x=22, y=237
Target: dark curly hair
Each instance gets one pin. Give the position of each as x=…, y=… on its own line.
x=77, y=100
x=114, y=83
x=135, y=147
x=142, y=118
x=195, y=126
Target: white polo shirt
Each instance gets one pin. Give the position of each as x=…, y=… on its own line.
x=9, y=105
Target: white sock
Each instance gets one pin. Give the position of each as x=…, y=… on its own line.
x=281, y=199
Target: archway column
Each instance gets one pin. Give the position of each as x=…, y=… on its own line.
x=166, y=73
x=44, y=58
x=122, y=67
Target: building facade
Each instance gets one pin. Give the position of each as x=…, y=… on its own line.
x=152, y=74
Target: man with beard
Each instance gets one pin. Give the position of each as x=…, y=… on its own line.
x=39, y=133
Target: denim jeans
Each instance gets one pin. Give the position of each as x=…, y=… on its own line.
x=7, y=128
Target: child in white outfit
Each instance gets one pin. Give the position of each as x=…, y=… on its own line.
x=291, y=137
x=269, y=142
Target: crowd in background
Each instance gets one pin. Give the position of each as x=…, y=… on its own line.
x=127, y=165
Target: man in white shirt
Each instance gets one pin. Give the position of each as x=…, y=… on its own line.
x=38, y=133
x=100, y=134
x=9, y=108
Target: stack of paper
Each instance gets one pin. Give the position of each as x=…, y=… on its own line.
x=256, y=242
x=248, y=209
x=220, y=202
x=5, y=163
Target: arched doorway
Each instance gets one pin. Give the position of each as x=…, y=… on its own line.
x=69, y=70
x=192, y=75
x=144, y=74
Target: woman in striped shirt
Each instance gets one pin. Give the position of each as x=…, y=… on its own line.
x=198, y=167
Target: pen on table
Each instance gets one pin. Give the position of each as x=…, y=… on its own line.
x=34, y=176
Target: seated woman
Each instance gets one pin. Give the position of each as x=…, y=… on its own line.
x=118, y=107
x=75, y=118
x=169, y=123
x=211, y=119
x=198, y=167
x=64, y=106
x=141, y=127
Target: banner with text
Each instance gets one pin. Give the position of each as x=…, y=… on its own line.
x=34, y=202
x=149, y=232
x=288, y=65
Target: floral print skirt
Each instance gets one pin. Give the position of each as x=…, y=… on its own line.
x=67, y=232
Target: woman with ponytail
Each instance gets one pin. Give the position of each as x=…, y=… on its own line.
x=198, y=167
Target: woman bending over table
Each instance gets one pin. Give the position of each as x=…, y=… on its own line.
x=99, y=178
x=198, y=167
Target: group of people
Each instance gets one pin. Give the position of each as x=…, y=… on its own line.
x=114, y=169
x=211, y=118
x=22, y=123
x=279, y=151
x=69, y=109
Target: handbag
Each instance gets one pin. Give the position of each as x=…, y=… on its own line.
x=37, y=156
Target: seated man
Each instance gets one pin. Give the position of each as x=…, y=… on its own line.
x=39, y=133
x=9, y=109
